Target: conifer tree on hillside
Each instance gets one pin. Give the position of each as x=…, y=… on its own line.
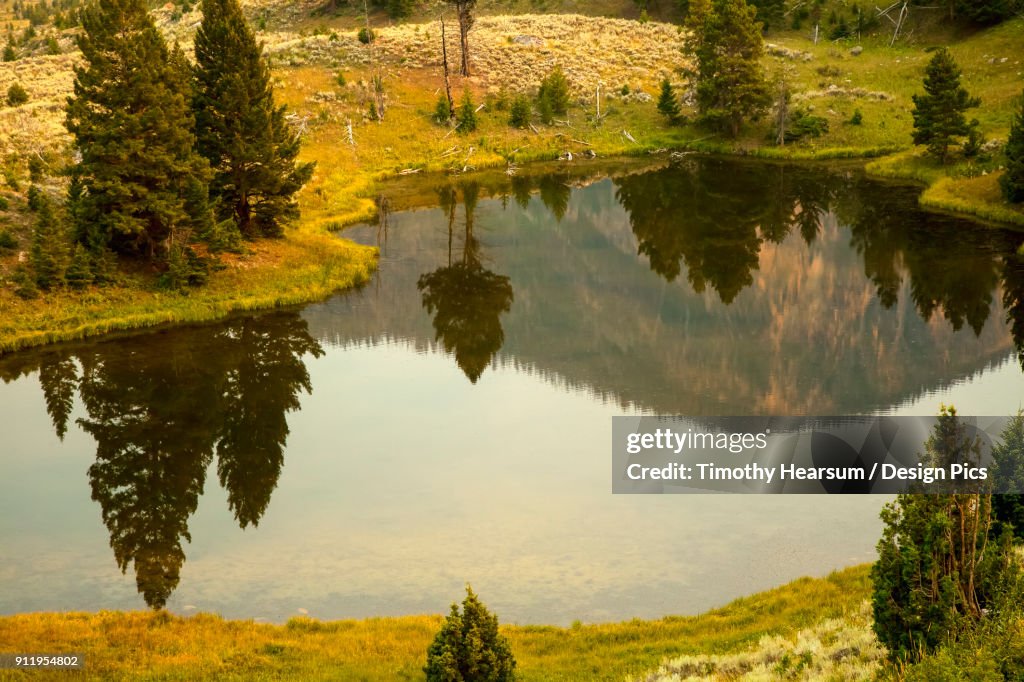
x=668, y=104
x=939, y=113
x=132, y=124
x=1012, y=181
x=726, y=46
x=941, y=561
x=241, y=131
x=49, y=254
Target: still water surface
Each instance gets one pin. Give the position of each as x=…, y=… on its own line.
x=450, y=422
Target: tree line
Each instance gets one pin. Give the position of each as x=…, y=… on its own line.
x=168, y=154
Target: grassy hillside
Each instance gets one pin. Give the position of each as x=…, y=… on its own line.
x=147, y=646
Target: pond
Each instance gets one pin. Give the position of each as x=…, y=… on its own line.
x=450, y=422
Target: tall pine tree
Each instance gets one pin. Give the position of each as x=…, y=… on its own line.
x=725, y=44
x=939, y=113
x=1012, y=181
x=241, y=131
x=131, y=120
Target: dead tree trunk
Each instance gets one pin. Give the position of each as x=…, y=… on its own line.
x=447, y=80
x=465, y=8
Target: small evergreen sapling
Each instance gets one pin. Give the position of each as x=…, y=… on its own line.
x=519, y=114
x=467, y=113
x=668, y=104
x=554, y=92
x=469, y=648
x=49, y=254
x=1012, y=181
x=79, y=274
x=442, y=110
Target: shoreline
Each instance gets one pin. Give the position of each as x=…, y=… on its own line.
x=322, y=77
x=311, y=263
x=202, y=646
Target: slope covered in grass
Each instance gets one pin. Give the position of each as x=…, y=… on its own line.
x=148, y=646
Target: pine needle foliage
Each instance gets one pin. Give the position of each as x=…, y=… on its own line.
x=469, y=648
x=241, y=131
x=939, y=118
x=1012, y=181
x=132, y=125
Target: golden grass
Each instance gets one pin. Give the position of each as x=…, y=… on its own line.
x=306, y=266
x=147, y=646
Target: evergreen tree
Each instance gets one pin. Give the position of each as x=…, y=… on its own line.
x=79, y=273
x=49, y=255
x=939, y=113
x=519, y=113
x=725, y=45
x=399, y=9
x=469, y=647
x=545, y=110
x=769, y=12
x=1012, y=181
x=442, y=110
x=939, y=562
x=240, y=129
x=554, y=90
x=989, y=11
x=668, y=105
x=1008, y=508
x=467, y=113
x=133, y=127
x=9, y=53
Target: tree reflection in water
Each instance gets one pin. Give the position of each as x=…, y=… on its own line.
x=161, y=407
x=466, y=299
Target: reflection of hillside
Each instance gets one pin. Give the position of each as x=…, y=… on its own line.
x=838, y=311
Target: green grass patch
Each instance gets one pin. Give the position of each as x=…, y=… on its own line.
x=964, y=188
x=148, y=646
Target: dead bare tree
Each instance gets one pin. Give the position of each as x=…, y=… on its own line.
x=377, y=80
x=464, y=10
x=447, y=80
x=902, y=8
x=782, y=110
